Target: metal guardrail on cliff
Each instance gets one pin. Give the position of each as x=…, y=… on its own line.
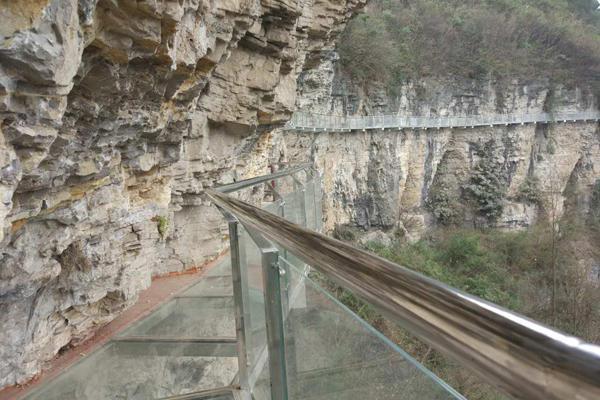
x=319, y=122
x=519, y=356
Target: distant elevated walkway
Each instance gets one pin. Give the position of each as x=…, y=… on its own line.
x=319, y=123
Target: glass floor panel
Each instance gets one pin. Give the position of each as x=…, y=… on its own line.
x=216, y=394
x=216, y=397
x=188, y=317
x=214, y=285
x=223, y=268
x=164, y=354
x=118, y=371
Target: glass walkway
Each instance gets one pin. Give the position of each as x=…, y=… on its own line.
x=186, y=345
x=259, y=326
x=302, y=121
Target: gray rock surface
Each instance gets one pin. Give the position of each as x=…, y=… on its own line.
x=114, y=116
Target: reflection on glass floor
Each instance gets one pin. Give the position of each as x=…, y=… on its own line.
x=187, y=345
x=188, y=317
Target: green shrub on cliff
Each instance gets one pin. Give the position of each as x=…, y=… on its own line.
x=162, y=225
x=508, y=268
x=344, y=232
x=459, y=260
x=487, y=186
x=530, y=192
x=445, y=207
x=366, y=52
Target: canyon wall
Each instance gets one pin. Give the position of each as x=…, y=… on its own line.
x=415, y=179
x=114, y=116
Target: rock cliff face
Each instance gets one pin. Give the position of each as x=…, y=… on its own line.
x=420, y=177
x=114, y=115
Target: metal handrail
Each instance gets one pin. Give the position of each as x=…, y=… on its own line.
x=320, y=122
x=232, y=187
x=521, y=357
x=273, y=350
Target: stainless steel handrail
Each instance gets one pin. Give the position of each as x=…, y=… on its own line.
x=521, y=357
x=232, y=187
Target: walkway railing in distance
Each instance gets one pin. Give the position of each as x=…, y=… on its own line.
x=246, y=183
x=521, y=357
x=321, y=122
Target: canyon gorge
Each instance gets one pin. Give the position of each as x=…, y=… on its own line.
x=117, y=114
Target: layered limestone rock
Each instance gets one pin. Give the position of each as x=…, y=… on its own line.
x=115, y=115
x=381, y=178
x=409, y=178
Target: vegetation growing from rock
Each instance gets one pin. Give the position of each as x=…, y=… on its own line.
x=460, y=259
x=396, y=40
x=530, y=192
x=512, y=269
x=444, y=206
x=487, y=185
x=162, y=224
x=344, y=232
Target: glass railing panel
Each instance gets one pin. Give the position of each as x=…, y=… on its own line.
x=255, y=325
x=293, y=282
x=261, y=388
x=292, y=207
x=309, y=195
x=188, y=317
x=123, y=370
x=278, y=208
x=318, y=203
x=273, y=207
x=333, y=354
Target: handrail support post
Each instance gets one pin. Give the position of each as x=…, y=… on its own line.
x=271, y=273
x=240, y=298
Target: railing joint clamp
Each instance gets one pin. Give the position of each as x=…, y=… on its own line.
x=276, y=265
